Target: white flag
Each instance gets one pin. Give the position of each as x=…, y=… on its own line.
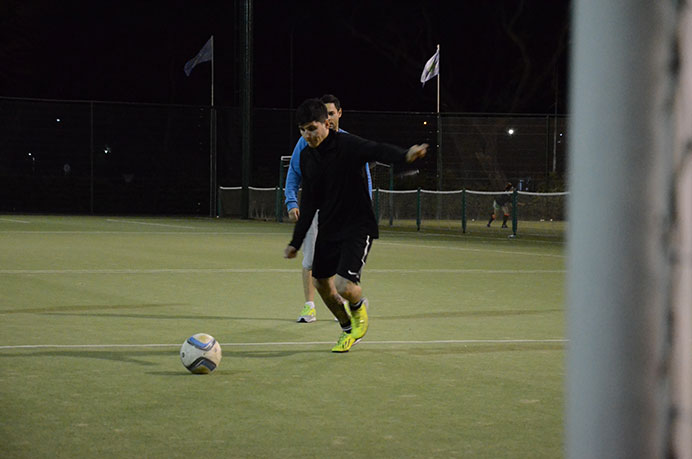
x=432, y=68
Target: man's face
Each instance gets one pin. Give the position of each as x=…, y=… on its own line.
x=314, y=132
x=333, y=116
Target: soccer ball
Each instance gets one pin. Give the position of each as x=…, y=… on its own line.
x=200, y=353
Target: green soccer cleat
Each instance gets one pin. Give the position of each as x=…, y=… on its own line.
x=307, y=315
x=346, y=341
x=359, y=321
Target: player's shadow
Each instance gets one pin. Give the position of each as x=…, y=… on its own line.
x=103, y=311
x=85, y=307
x=140, y=357
x=116, y=355
x=170, y=316
x=476, y=348
x=476, y=313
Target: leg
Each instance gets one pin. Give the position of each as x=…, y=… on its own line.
x=308, y=314
x=351, y=263
x=496, y=209
x=332, y=260
x=335, y=303
x=308, y=287
x=348, y=289
x=359, y=305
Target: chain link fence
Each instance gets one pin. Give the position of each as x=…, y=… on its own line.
x=105, y=158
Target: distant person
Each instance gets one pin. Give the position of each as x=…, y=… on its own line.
x=293, y=180
x=332, y=167
x=501, y=203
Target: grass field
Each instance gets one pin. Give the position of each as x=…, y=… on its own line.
x=464, y=356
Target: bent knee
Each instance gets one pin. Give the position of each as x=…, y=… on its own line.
x=343, y=285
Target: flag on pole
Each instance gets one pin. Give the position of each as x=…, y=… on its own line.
x=432, y=68
x=205, y=54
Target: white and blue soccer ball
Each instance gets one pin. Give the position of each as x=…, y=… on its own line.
x=200, y=353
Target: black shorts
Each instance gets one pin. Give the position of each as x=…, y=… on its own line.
x=345, y=258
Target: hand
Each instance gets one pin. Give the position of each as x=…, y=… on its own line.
x=294, y=214
x=415, y=152
x=290, y=252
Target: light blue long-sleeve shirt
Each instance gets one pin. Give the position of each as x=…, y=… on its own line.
x=294, y=176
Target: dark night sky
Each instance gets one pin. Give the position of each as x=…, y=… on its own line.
x=496, y=55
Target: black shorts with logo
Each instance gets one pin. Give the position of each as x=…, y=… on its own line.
x=345, y=258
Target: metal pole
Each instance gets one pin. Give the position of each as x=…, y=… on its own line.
x=91, y=156
x=555, y=129
x=681, y=381
x=213, y=211
x=463, y=210
x=246, y=106
x=618, y=274
x=439, y=128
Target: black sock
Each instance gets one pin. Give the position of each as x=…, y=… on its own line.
x=347, y=328
x=356, y=306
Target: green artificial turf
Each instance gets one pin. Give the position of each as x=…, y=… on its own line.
x=463, y=358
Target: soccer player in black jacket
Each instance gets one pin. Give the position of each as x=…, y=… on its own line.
x=334, y=182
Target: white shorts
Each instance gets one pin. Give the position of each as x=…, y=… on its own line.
x=309, y=243
x=504, y=208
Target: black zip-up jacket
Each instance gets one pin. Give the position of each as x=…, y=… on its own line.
x=334, y=183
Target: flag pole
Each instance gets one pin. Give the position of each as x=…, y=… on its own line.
x=438, y=79
x=212, y=70
x=213, y=208
x=439, y=127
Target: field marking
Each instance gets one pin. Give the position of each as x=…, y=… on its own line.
x=466, y=249
x=13, y=220
x=272, y=271
x=287, y=343
x=133, y=222
x=157, y=233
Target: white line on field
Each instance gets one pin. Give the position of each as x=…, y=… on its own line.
x=465, y=249
x=157, y=233
x=11, y=220
x=271, y=271
x=114, y=220
x=287, y=343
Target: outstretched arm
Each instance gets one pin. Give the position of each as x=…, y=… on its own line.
x=369, y=151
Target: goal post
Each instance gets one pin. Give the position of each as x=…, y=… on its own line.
x=284, y=162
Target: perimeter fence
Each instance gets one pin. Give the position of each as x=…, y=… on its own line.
x=465, y=211
x=105, y=158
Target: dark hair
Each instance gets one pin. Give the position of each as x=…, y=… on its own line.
x=311, y=110
x=331, y=99
x=508, y=186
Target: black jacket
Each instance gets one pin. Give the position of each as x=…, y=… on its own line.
x=334, y=183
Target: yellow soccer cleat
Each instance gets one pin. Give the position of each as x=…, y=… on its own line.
x=346, y=341
x=359, y=321
x=307, y=315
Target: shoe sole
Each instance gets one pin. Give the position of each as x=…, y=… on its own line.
x=305, y=321
x=343, y=352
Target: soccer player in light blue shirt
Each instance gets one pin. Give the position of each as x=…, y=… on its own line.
x=293, y=180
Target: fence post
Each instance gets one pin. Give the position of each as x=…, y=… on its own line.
x=463, y=210
x=391, y=195
x=279, y=213
x=418, y=210
x=515, y=195
x=377, y=206
x=278, y=205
